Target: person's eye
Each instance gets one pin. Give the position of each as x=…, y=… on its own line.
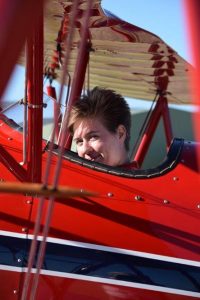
x=94, y=137
x=79, y=142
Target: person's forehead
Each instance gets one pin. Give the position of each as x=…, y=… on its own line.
x=85, y=126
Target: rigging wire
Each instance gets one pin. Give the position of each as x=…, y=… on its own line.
x=144, y=124
x=62, y=145
x=45, y=180
x=25, y=122
x=33, y=249
x=11, y=105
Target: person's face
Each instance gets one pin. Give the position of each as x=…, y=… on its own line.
x=94, y=142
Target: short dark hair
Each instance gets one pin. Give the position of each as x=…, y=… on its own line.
x=105, y=104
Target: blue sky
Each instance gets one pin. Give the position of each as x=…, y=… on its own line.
x=164, y=18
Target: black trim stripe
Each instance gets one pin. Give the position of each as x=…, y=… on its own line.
x=104, y=264
x=170, y=162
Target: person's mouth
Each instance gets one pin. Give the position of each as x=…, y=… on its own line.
x=96, y=158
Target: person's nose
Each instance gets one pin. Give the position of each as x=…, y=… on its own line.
x=86, y=148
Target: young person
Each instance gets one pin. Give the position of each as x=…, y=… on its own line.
x=100, y=124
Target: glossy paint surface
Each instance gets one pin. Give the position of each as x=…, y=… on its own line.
x=157, y=231
x=139, y=237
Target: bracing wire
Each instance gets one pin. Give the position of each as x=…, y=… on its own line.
x=144, y=124
x=42, y=247
x=25, y=114
x=33, y=249
x=58, y=165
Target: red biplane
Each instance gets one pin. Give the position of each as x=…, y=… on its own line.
x=75, y=229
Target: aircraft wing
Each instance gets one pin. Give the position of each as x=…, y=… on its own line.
x=124, y=57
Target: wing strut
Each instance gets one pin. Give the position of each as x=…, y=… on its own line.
x=50, y=207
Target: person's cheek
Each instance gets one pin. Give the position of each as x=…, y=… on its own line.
x=79, y=151
x=98, y=146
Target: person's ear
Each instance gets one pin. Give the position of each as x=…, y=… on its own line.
x=121, y=131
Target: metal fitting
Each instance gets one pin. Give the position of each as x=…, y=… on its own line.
x=138, y=198
x=165, y=201
x=110, y=194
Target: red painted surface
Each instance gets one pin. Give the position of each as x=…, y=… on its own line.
x=192, y=10
x=11, y=23
x=161, y=111
x=124, y=215
x=165, y=222
x=119, y=221
x=79, y=290
x=35, y=99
